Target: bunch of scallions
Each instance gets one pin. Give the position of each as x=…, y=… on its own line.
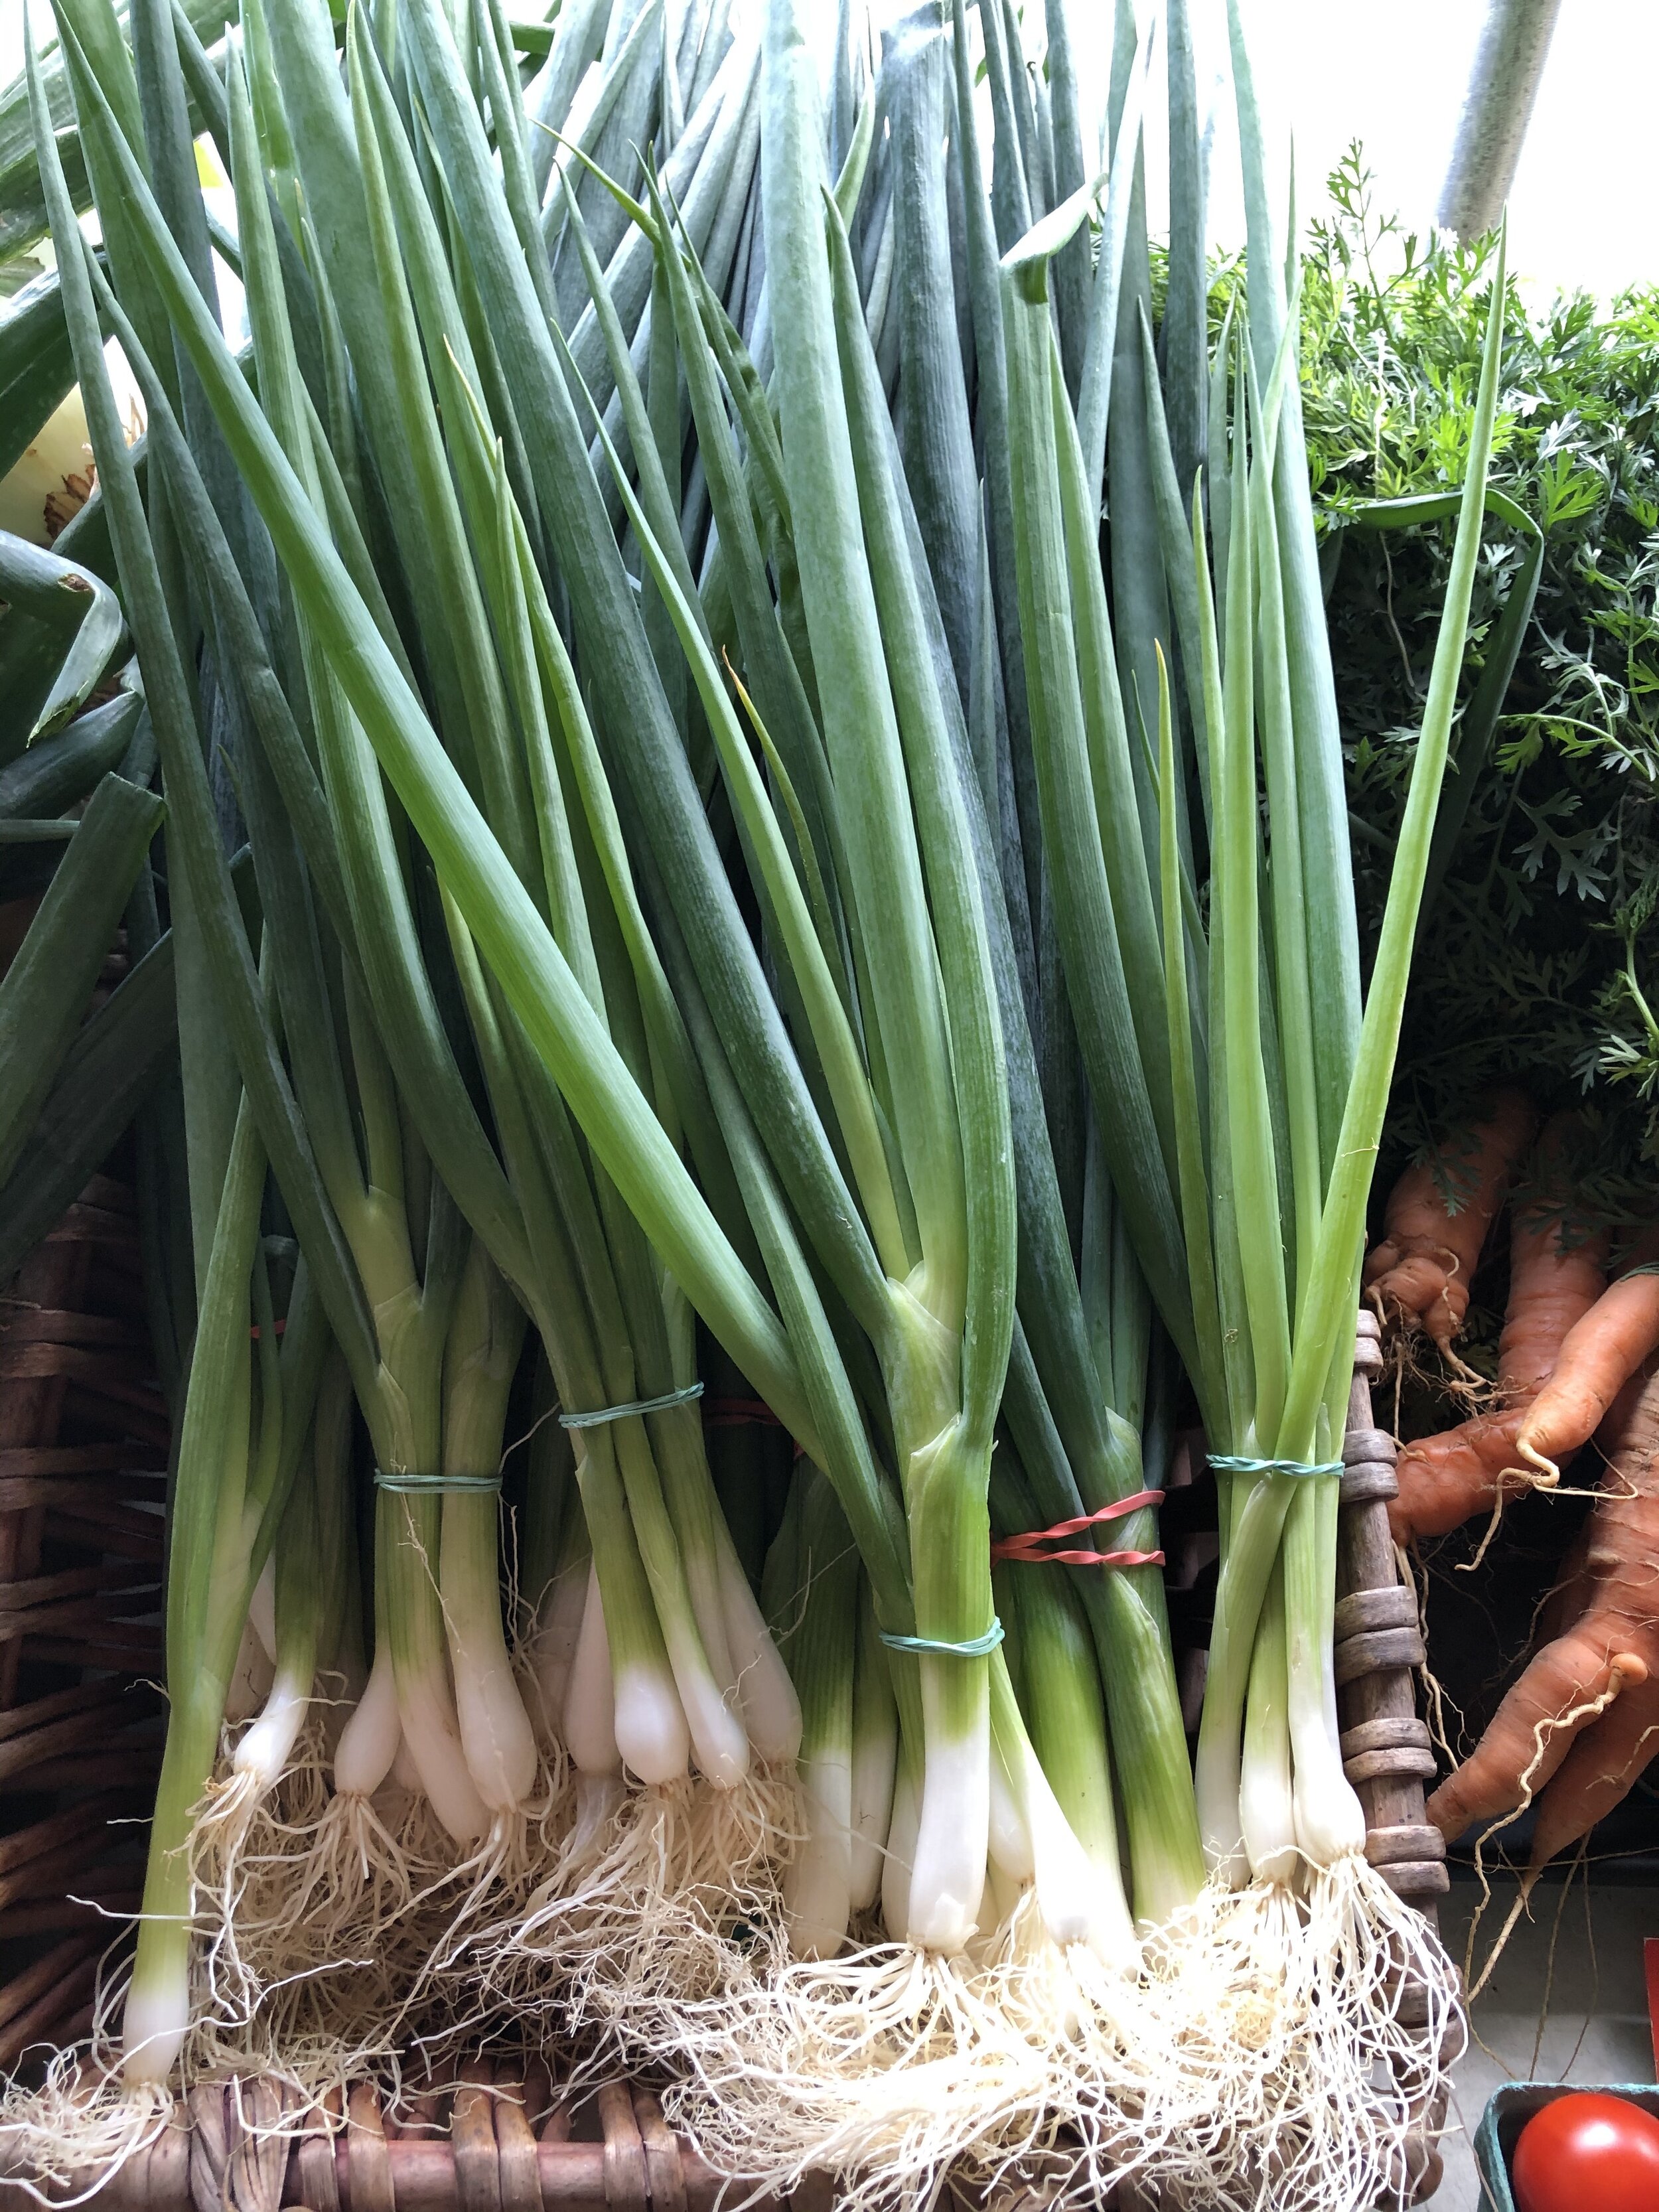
x=725, y=848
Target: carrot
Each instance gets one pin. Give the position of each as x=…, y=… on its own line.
x=1446, y=1480
x=1610, y=1438
x=1606, y=1760
x=1436, y=1220
x=1599, y=1355
x=1570, y=1682
x=1554, y=1281
x=1556, y=1275
x=1583, y=1721
x=1567, y=1603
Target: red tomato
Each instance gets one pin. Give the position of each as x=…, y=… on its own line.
x=1585, y=2151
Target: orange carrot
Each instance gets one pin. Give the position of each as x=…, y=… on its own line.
x=1438, y=1218
x=1583, y=1721
x=1447, y=1479
x=1555, y=1281
x=1570, y=1682
x=1568, y=1602
x=1611, y=1438
x=1599, y=1355
x=1556, y=1275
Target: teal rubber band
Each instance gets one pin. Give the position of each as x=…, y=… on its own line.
x=977, y=1648
x=634, y=1406
x=426, y=1484
x=1225, y=1464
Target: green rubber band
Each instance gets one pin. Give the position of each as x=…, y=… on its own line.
x=1225, y=1464
x=977, y=1648
x=634, y=1406
x=427, y=1483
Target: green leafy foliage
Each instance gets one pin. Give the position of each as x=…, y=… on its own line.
x=1538, y=961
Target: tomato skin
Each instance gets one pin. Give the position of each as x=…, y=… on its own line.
x=1587, y=2151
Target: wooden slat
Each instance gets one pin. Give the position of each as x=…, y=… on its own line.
x=537, y=2096
x=132, y=1413
x=111, y=1532
x=51, y=2013
x=472, y=2137
x=95, y=1726
x=76, y=2027
x=54, y=1276
x=21, y=1992
x=367, y=2162
x=257, y=2143
x=68, y=1615
x=78, y=1459
x=59, y=1831
x=52, y=1325
x=112, y=1196
x=93, y=1224
x=139, y=1651
x=113, y=1374
x=59, y=1361
x=664, y=2170
x=627, y=2187
x=314, y=2166
x=95, y=1906
x=49, y=1876
x=72, y=1581
x=85, y=1496
x=130, y=1768
x=83, y=1698
x=518, y=2180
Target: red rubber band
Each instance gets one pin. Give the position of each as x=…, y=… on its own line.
x=738, y=1413
x=281, y=1326
x=1080, y=1558
x=1028, y=1548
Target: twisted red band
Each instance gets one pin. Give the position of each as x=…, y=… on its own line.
x=1028, y=1548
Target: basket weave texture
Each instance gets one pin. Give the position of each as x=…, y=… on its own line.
x=485, y=2142
x=83, y=1454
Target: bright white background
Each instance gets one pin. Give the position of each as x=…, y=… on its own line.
x=1585, y=209
x=1392, y=72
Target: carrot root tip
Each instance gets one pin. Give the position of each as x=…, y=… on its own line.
x=1627, y=1671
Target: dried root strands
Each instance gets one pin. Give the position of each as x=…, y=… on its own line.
x=629, y=1903
x=84, y=2123
x=888, y=2067
x=893, y=2068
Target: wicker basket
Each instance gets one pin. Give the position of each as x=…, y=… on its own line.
x=83, y=1443
x=83, y=1455
x=479, y=2145
x=1385, y=1747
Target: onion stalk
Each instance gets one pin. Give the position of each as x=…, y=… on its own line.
x=773, y=878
